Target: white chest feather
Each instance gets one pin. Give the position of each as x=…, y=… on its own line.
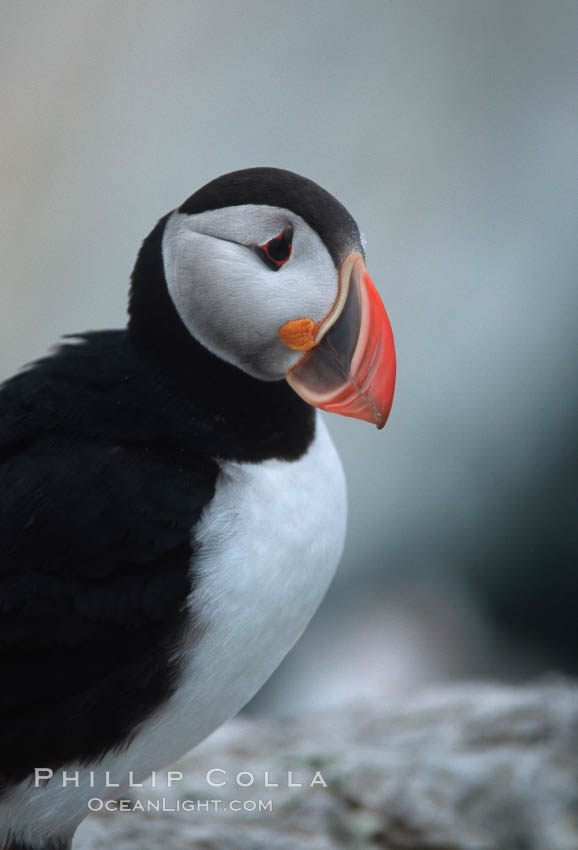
x=271, y=540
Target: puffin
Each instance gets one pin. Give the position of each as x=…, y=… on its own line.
x=172, y=507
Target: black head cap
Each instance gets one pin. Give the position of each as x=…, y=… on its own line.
x=279, y=188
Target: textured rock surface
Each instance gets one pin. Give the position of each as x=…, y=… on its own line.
x=469, y=767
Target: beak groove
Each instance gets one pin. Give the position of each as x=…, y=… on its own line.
x=351, y=369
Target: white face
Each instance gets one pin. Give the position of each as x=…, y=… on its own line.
x=226, y=296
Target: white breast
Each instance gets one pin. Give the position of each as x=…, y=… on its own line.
x=271, y=540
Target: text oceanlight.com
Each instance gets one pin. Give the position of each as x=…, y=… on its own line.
x=162, y=804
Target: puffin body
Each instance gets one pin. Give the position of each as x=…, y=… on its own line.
x=172, y=508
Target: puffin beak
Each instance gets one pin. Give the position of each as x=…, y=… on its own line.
x=349, y=364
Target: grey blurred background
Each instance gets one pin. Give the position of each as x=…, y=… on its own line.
x=448, y=128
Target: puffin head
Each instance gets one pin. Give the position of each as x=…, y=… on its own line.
x=266, y=270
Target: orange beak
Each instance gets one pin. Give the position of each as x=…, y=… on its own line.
x=349, y=365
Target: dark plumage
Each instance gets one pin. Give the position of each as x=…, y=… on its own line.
x=101, y=481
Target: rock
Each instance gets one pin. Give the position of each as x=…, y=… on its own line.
x=463, y=767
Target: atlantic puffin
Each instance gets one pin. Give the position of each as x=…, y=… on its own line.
x=172, y=507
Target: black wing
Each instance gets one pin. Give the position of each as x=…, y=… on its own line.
x=95, y=547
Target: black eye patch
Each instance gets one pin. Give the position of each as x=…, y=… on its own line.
x=277, y=251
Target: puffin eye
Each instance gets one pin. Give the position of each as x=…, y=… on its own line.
x=277, y=251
